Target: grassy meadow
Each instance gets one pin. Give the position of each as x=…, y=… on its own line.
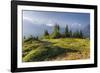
x=55, y=49
x=55, y=35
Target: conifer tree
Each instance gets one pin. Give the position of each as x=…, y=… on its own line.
x=81, y=34
x=78, y=34
x=46, y=33
x=66, y=33
x=56, y=32
x=70, y=33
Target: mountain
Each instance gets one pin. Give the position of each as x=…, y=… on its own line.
x=30, y=28
x=35, y=29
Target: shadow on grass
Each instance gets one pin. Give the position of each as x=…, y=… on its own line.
x=45, y=52
x=35, y=45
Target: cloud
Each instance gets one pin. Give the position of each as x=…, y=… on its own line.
x=76, y=26
x=36, y=21
x=50, y=25
x=33, y=21
x=28, y=19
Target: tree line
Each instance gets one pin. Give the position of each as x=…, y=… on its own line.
x=56, y=34
x=67, y=33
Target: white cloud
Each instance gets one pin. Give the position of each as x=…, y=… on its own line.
x=28, y=19
x=34, y=21
x=50, y=24
x=76, y=26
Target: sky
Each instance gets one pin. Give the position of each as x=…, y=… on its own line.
x=34, y=22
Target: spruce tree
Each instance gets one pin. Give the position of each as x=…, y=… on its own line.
x=66, y=33
x=70, y=33
x=46, y=33
x=56, y=32
x=81, y=34
x=78, y=34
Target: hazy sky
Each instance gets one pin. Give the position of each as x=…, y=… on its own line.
x=41, y=18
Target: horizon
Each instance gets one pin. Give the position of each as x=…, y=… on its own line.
x=35, y=22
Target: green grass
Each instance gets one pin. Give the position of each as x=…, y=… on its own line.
x=55, y=49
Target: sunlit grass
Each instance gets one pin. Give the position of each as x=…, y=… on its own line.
x=56, y=49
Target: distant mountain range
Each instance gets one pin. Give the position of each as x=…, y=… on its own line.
x=38, y=29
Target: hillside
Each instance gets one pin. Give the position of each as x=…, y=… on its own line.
x=55, y=49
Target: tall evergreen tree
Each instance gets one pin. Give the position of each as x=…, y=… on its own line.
x=81, y=34
x=66, y=33
x=70, y=33
x=78, y=34
x=56, y=32
x=46, y=33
